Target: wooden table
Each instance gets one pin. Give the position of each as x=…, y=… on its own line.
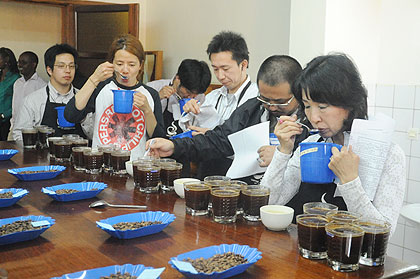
x=74, y=243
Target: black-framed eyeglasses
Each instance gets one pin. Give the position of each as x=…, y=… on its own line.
x=63, y=66
x=276, y=105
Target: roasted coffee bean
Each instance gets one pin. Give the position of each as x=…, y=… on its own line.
x=123, y=226
x=118, y=275
x=6, y=195
x=217, y=263
x=29, y=172
x=66, y=191
x=17, y=226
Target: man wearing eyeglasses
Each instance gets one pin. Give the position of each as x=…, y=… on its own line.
x=275, y=99
x=39, y=107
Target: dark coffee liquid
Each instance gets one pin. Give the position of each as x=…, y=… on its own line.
x=118, y=162
x=224, y=205
x=344, y=249
x=43, y=138
x=167, y=176
x=78, y=159
x=311, y=234
x=197, y=199
x=252, y=203
x=107, y=158
x=93, y=162
x=374, y=243
x=147, y=178
x=62, y=149
x=29, y=139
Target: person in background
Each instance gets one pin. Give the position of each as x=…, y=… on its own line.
x=229, y=57
x=39, y=107
x=129, y=131
x=191, y=81
x=9, y=73
x=275, y=76
x=332, y=95
x=28, y=83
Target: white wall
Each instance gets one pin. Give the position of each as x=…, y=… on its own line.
x=30, y=27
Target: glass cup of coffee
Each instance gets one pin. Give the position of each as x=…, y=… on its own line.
x=70, y=137
x=146, y=176
x=312, y=240
x=51, y=145
x=118, y=159
x=319, y=208
x=344, y=245
x=225, y=203
x=375, y=241
x=43, y=134
x=107, y=150
x=342, y=216
x=253, y=197
x=197, y=196
x=93, y=160
x=78, y=158
x=216, y=181
x=239, y=185
x=30, y=138
x=168, y=173
x=62, y=151
x=79, y=142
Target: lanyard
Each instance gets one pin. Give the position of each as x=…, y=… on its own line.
x=240, y=96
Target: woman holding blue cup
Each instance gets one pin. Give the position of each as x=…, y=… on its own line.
x=332, y=95
x=127, y=112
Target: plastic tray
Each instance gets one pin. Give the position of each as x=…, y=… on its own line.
x=134, y=270
x=6, y=154
x=39, y=175
x=251, y=254
x=26, y=235
x=18, y=192
x=165, y=217
x=83, y=187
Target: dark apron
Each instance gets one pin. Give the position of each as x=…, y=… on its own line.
x=313, y=193
x=50, y=119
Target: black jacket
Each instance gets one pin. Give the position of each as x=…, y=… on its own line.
x=214, y=144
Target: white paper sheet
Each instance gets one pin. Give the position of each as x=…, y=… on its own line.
x=245, y=144
x=371, y=140
x=207, y=118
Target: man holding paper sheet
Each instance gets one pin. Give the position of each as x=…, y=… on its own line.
x=275, y=99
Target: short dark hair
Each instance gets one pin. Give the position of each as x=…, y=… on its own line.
x=194, y=75
x=333, y=79
x=32, y=56
x=52, y=52
x=11, y=59
x=277, y=69
x=229, y=41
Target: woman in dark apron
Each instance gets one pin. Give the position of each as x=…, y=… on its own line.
x=332, y=95
x=50, y=119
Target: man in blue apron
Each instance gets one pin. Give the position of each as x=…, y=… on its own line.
x=39, y=107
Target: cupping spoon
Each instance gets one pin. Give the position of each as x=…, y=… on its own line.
x=102, y=203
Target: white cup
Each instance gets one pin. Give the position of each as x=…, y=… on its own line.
x=276, y=217
x=179, y=185
x=129, y=167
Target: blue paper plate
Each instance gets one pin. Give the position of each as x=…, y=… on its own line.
x=164, y=217
x=85, y=189
x=39, y=175
x=17, y=193
x=134, y=270
x=6, y=154
x=251, y=254
x=26, y=235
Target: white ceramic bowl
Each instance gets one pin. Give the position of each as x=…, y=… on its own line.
x=129, y=167
x=179, y=185
x=276, y=217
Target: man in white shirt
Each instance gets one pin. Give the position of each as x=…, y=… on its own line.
x=39, y=107
x=28, y=83
x=229, y=56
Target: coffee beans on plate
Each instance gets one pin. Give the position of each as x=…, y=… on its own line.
x=6, y=195
x=217, y=263
x=118, y=275
x=70, y=191
x=123, y=226
x=31, y=172
x=17, y=226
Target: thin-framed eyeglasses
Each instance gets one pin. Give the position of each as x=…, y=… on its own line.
x=63, y=66
x=277, y=105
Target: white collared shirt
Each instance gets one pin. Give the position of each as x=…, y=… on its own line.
x=229, y=102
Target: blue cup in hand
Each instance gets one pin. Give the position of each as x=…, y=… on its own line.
x=182, y=102
x=123, y=100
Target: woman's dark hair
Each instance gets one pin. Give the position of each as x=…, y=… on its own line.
x=333, y=79
x=10, y=59
x=194, y=75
